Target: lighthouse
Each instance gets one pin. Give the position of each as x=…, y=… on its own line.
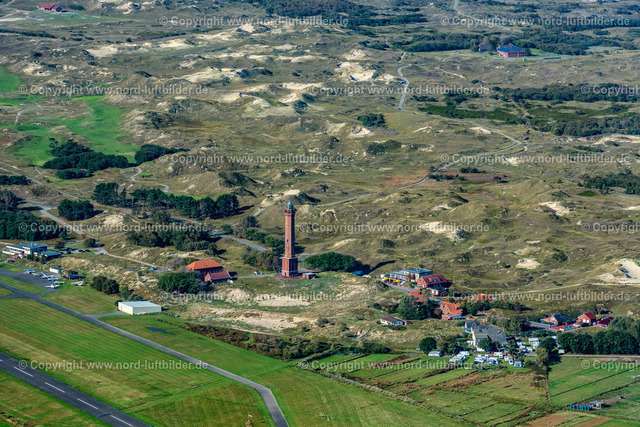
x=289, y=260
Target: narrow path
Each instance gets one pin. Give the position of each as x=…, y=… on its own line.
x=265, y=392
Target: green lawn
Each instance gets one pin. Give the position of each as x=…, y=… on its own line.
x=27, y=287
x=83, y=299
x=571, y=382
x=33, y=332
x=4, y=292
x=306, y=398
x=25, y=404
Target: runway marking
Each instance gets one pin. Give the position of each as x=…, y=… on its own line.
x=52, y=386
x=27, y=373
x=87, y=403
x=122, y=421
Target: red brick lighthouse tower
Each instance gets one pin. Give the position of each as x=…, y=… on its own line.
x=289, y=260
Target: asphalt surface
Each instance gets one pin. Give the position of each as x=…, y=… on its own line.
x=266, y=394
x=68, y=394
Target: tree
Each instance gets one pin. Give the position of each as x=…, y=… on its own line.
x=76, y=211
x=543, y=356
x=409, y=309
x=428, y=344
x=89, y=243
x=105, y=285
x=487, y=345
x=549, y=344
x=182, y=282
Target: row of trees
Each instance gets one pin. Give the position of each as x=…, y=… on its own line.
x=564, y=93
x=14, y=180
x=626, y=180
x=223, y=206
x=622, y=337
x=183, y=240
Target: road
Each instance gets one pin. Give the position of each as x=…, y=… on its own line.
x=266, y=394
x=66, y=393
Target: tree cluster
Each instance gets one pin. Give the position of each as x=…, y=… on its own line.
x=180, y=281
x=76, y=211
x=14, y=180
x=332, y=261
x=105, y=285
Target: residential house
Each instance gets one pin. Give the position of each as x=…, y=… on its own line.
x=586, y=319
x=603, y=322
x=393, y=321
x=418, y=296
x=511, y=51
x=432, y=281
x=484, y=47
x=451, y=310
x=481, y=332
x=209, y=270
x=469, y=324
x=557, y=319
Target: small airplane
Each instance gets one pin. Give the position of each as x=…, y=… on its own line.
x=52, y=286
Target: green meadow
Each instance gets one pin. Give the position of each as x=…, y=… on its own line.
x=148, y=384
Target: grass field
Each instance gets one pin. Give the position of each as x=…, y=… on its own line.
x=100, y=126
x=576, y=379
x=151, y=393
x=27, y=287
x=4, y=292
x=306, y=398
x=83, y=299
x=629, y=407
x=24, y=404
x=8, y=82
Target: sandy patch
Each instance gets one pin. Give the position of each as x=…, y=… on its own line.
x=557, y=208
x=114, y=221
x=480, y=129
x=527, y=263
x=438, y=227
x=359, y=132
x=631, y=267
x=351, y=71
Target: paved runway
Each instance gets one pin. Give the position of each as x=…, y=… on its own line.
x=62, y=391
x=265, y=392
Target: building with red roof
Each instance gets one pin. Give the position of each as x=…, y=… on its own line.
x=451, y=310
x=603, y=322
x=209, y=270
x=418, y=296
x=586, y=319
x=433, y=280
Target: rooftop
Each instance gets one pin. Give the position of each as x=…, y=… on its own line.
x=139, y=304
